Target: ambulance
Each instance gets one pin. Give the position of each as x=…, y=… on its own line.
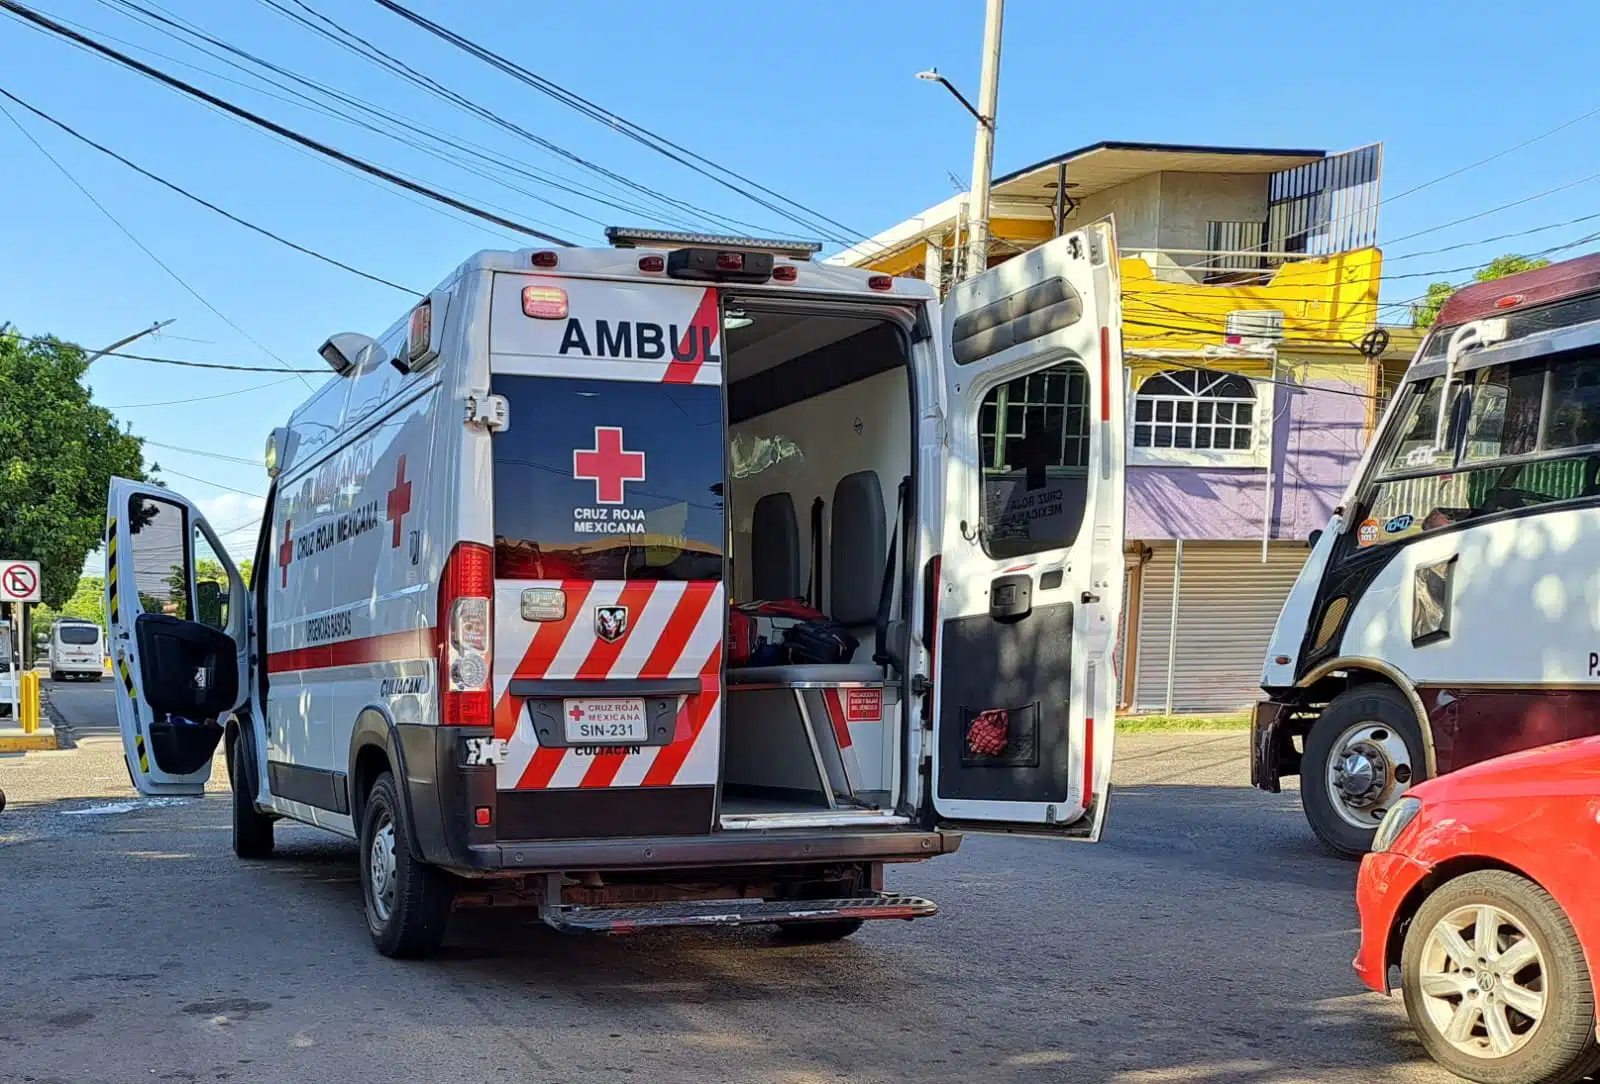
x=487, y=633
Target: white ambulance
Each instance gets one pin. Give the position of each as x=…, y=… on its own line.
x=486, y=632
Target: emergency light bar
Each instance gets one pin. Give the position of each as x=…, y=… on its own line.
x=627, y=237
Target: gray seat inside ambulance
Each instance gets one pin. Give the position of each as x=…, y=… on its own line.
x=857, y=551
x=774, y=548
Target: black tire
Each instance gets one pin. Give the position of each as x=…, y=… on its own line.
x=2, y=801
x=252, y=829
x=55, y=675
x=407, y=921
x=817, y=933
x=1376, y=703
x=1562, y=1047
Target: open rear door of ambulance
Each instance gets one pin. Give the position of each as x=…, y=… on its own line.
x=1030, y=586
x=178, y=613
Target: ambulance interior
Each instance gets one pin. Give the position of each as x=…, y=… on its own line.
x=820, y=422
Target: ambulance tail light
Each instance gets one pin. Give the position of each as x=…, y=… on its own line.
x=652, y=265
x=880, y=282
x=785, y=272
x=466, y=637
x=545, y=259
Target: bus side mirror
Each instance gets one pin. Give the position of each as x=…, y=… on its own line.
x=1314, y=538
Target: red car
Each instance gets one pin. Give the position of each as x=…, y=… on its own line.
x=1483, y=889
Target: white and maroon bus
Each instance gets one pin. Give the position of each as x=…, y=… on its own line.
x=1450, y=612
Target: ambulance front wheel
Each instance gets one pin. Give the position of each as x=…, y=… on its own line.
x=408, y=902
x=252, y=829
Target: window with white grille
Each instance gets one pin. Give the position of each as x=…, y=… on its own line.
x=1199, y=418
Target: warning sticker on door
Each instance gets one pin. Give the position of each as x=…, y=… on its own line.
x=863, y=705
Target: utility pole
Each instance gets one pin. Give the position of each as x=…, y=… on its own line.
x=124, y=341
x=983, y=148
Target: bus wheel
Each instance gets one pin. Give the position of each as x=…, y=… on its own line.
x=1363, y=753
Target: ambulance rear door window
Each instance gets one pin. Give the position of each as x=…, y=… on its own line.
x=608, y=480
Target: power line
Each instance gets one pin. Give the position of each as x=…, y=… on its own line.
x=229, y=215
x=215, y=485
x=199, y=398
x=1502, y=207
x=172, y=28
x=179, y=279
x=207, y=455
x=1255, y=379
x=256, y=119
x=1498, y=154
x=661, y=145
x=227, y=366
x=360, y=47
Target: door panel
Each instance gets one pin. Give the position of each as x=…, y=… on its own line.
x=1031, y=584
x=178, y=635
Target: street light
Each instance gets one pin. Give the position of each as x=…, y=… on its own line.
x=983, y=146
x=932, y=75
x=98, y=354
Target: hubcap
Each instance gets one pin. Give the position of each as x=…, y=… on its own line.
x=1482, y=981
x=1370, y=767
x=380, y=869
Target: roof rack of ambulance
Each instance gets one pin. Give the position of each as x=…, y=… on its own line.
x=627, y=237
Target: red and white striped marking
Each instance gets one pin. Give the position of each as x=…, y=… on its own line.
x=675, y=630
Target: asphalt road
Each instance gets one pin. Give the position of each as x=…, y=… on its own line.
x=1205, y=940
x=89, y=706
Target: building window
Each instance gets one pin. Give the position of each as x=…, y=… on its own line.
x=1192, y=417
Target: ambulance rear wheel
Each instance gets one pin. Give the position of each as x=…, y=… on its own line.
x=408, y=902
x=252, y=829
x=817, y=933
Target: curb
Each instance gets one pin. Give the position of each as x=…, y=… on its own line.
x=18, y=742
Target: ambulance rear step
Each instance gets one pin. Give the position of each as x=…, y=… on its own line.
x=577, y=918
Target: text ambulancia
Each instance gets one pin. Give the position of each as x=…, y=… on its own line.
x=619, y=583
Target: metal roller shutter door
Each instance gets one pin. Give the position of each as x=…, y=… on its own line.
x=1228, y=602
x=1155, y=619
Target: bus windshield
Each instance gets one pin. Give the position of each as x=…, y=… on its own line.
x=1530, y=436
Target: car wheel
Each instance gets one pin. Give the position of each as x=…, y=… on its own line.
x=408, y=902
x=1362, y=754
x=1496, y=985
x=816, y=933
x=55, y=675
x=252, y=829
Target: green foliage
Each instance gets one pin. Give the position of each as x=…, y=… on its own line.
x=1497, y=268
x=58, y=452
x=88, y=601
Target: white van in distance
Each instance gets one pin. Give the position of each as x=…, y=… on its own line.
x=506, y=543
x=77, y=649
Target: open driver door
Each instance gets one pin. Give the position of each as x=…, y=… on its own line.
x=1030, y=586
x=178, y=614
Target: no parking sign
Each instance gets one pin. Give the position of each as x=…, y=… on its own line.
x=19, y=581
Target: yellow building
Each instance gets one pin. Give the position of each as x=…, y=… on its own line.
x=1255, y=368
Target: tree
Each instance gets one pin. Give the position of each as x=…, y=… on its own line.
x=58, y=452
x=1497, y=268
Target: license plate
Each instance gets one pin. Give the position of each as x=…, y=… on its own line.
x=605, y=722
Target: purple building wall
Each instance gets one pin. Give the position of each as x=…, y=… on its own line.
x=1317, y=440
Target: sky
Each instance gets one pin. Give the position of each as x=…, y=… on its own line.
x=816, y=101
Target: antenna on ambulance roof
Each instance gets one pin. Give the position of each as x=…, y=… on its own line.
x=627, y=237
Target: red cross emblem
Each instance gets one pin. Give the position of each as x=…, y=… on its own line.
x=286, y=550
x=607, y=465
x=399, y=500
x=576, y=713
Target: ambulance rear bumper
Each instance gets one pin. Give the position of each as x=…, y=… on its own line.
x=721, y=850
